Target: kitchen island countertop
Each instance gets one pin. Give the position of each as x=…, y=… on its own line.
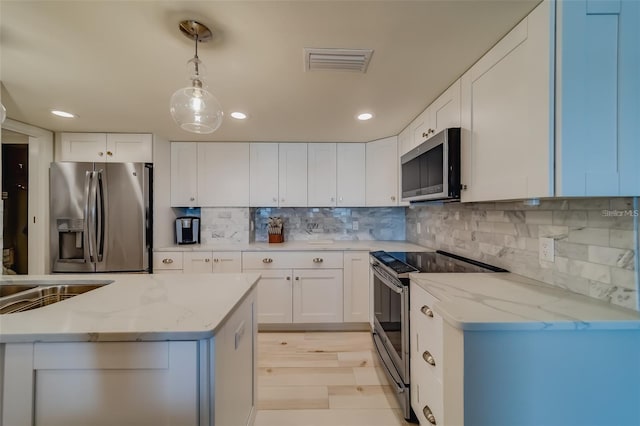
x=134, y=307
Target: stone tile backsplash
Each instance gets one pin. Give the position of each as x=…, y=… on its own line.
x=224, y=225
x=594, y=241
x=360, y=223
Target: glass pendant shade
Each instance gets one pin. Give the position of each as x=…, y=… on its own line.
x=196, y=110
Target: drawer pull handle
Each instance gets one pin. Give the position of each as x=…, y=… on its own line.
x=429, y=358
x=427, y=311
x=318, y=260
x=167, y=261
x=267, y=260
x=207, y=260
x=429, y=415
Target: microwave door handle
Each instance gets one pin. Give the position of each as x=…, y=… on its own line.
x=100, y=218
x=392, y=286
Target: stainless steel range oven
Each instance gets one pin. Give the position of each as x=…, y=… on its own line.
x=391, y=308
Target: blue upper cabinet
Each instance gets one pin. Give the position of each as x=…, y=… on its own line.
x=597, y=98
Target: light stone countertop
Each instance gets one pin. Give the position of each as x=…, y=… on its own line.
x=134, y=307
x=506, y=301
x=310, y=245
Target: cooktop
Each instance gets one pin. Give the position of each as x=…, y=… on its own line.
x=431, y=261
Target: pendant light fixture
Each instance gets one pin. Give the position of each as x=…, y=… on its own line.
x=193, y=107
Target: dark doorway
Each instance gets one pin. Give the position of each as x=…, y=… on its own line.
x=15, y=192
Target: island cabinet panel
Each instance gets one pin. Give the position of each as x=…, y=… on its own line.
x=103, y=383
x=506, y=96
x=598, y=79
x=235, y=360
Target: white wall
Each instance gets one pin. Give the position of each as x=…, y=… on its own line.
x=163, y=214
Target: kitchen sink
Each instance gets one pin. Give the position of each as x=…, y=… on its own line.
x=32, y=297
x=8, y=290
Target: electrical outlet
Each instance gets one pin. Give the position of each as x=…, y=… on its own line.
x=546, y=249
x=418, y=227
x=355, y=225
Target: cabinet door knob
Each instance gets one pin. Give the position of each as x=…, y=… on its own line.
x=282, y=199
x=297, y=278
x=100, y=153
x=288, y=278
x=429, y=358
x=427, y=311
x=167, y=261
x=333, y=199
x=207, y=260
x=109, y=153
x=393, y=198
x=429, y=415
x=216, y=260
x=192, y=198
x=267, y=260
x=275, y=199
x=425, y=134
x=318, y=260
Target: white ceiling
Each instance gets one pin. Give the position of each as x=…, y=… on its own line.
x=116, y=63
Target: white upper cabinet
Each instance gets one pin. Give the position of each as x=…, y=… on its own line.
x=382, y=172
x=263, y=174
x=598, y=85
x=130, y=147
x=351, y=174
x=292, y=175
x=321, y=174
x=223, y=174
x=443, y=113
x=106, y=147
x=506, y=121
x=184, y=174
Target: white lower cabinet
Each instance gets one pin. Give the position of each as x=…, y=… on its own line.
x=317, y=295
x=298, y=287
x=218, y=262
x=436, y=363
x=168, y=383
x=197, y=262
x=356, y=286
x=275, y=297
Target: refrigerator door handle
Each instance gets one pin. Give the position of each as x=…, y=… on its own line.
x=100, y=198
x=91, y=217
x=87, y=222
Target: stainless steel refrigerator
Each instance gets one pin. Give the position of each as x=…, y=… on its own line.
x=101, y=217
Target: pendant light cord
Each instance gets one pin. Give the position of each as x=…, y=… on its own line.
x=196, y=57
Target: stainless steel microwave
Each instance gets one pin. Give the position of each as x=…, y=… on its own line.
x=431, y=171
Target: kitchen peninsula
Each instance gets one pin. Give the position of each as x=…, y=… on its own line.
x=144, y=349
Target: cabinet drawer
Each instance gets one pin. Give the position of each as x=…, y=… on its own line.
x=292, y=260
x=429, y=397
x=427, y=331
x=198, y=261
x=164, y=260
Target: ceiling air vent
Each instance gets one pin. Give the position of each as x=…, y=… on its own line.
x=337, y=59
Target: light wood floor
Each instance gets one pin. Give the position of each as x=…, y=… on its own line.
x=322, y=379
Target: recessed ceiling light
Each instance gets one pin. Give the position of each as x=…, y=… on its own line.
x=365, y=116
x=238, y=115
x=62, y=114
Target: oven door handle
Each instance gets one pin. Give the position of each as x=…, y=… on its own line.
x=386, y=362
x=393, y=287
